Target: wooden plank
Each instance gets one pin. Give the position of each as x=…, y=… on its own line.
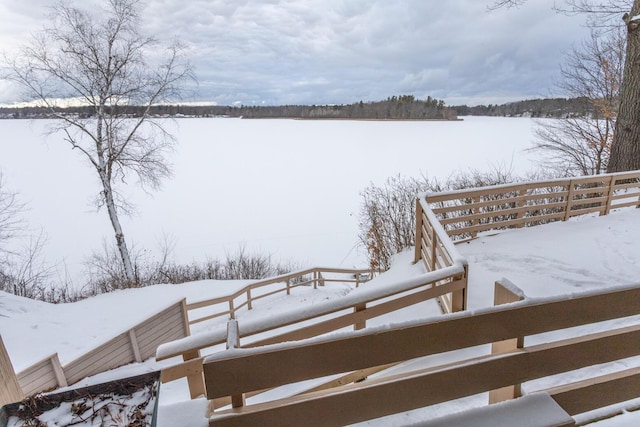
x=112, y=354
x=584, y=211
x=493, y=190
x=261, y=369
x=149, y=345
x=506, y=224
x=213, y=316
x=490, y=215
x=37, y=378
x=624, y=205
x=58, y=371
x=593, y=393
x=134, y=346
x=525, y=200
x=626, y=186
x=182, y=370
x=173, y=327
x=419, y=220
x=506, y=292
x=156, y=322
x=626, y=195
x=359, y=316
x=381, y=397
x=207, y=303
x=10, y=391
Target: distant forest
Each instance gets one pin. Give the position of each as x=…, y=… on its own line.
x=549, y=107
x=403, y=107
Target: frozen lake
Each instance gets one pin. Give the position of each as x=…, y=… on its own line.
x=289, y=188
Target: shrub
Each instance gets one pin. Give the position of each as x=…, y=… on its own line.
x=387, y=214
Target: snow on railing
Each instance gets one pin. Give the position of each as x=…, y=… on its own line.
x=467, y=212
x=264, y=288
x=240, y=372
x=351, y=310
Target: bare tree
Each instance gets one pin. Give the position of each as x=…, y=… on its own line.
x=592, y=71
x=11, y=224
x=102, y=60
x=625, y=147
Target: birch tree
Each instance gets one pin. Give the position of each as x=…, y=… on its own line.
x=101, y=59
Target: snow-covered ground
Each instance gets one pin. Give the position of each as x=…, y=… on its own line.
x=292, y=189
x=555, y=259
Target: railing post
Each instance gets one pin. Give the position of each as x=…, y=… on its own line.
x=357, y=280
x=11, y=390
x=474, y=211
x=360, y=324
x=569, y=204
x=434, y=247
x=232, y=311
x=459, y=298
x=418, y=243
x=520, y=204
x=610, y=193
x=288, y=286
x=195, y=379
x=506, y=292
x=249, y=305
x=315, y=280
x=233, y=341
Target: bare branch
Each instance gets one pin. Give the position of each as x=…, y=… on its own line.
x=102, y=60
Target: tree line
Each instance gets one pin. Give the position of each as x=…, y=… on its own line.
x=403, y=107
x=394, y=108
x=580, y=106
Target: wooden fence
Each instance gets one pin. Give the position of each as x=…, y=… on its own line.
x=465, y=213
x=456, y=216
x=245, y=297
x=10, y=390
x=437, y=251
x=134, y=345
x=234, y=373
x=352, y=310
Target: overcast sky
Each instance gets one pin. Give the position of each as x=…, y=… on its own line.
x=342, y=51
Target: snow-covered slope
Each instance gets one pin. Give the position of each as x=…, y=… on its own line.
x=554, y=259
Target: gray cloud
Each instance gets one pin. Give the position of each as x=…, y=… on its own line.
x=339, y=51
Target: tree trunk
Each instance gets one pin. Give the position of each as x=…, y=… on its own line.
x=115, y=223
x=625, y=149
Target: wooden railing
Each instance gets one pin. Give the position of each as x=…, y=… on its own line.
x=240, y=371
x=353, y=310
x=10, y=390
x=134, y=345
x=228, y=305
x=456, y=216
x=465, y=213
x=437, y=251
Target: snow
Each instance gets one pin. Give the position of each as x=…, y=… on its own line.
x=536, y=409
x=583, y=254
x=289, y=188
x=556, y=271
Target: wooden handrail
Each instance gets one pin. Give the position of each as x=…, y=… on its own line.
x=467, y=212
x=454, y=276
x=459, y=215
x=288, y=281
x=434, y=247
x=243, y=370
